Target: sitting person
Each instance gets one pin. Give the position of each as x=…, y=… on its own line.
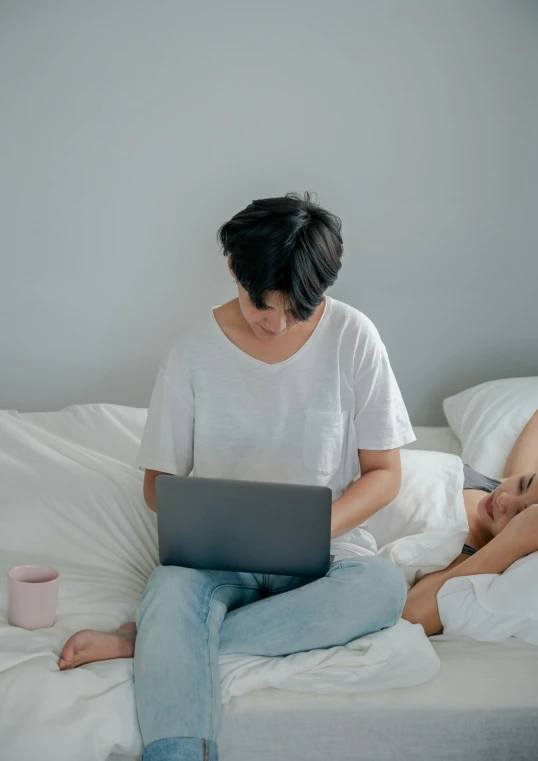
x=284, y=384
x=313, y=375
x=503, y=527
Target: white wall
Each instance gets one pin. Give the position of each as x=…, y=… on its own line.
x=131, y=130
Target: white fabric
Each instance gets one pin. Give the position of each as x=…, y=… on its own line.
x=421, y=554
x=224, y=414
x=71, y=498
x=424, y=528
x=493, y=607
x=430, y=498
x=488, y=419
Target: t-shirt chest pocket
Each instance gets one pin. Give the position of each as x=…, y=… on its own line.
x=323, y=440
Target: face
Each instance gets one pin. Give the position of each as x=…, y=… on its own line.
x=270, y=323
x=497, y=509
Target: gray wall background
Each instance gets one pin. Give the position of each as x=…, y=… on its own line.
x=131, y=130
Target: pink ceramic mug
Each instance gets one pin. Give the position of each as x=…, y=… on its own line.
x=32, y=596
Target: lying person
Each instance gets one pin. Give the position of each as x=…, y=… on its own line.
x=503, y=527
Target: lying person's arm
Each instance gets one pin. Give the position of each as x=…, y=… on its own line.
x=519, y=538
x=524, y=455
x=379, y=484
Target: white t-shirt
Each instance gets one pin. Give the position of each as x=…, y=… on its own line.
x=221, y=413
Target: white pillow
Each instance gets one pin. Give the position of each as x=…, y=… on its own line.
x=493, y=607
x=488, y=418
x=430, y=498
x=424, y=528
x=420, y=554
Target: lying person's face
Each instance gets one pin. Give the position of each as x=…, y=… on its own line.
x=497, y=509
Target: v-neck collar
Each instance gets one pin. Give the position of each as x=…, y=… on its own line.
x=274, y=365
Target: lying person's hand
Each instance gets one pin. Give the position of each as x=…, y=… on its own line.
x=523, y=530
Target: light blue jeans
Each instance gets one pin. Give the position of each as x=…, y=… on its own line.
x=187, y=617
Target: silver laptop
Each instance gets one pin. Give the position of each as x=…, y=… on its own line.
x=231, y=525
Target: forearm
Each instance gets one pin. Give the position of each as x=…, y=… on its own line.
x=367, y=495
x=524, y=454
x=421, y=606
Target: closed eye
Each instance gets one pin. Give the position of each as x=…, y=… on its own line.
x=521, y=490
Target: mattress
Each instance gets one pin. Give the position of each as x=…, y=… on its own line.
x=482, y=706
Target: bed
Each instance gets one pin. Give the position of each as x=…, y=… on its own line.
x=482, y=704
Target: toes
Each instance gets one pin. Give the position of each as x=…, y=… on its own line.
x=69, y=650
x=64, y=665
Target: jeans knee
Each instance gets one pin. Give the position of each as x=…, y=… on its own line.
x=164, y=579
x=383, y=578
x=392, y=581
x=169, y=585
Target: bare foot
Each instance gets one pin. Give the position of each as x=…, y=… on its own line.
x=90, y=645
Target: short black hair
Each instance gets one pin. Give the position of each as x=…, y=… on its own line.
x=289, y=245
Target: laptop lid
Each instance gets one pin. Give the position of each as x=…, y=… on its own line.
x=234, y=525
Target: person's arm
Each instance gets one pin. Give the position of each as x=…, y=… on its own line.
x=168, y=437
x=149, y=487
x=381, y=426
x=519, y=538
x=379, y=484
x=524, y=455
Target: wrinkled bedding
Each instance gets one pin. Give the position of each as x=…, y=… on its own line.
x=70, y=497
